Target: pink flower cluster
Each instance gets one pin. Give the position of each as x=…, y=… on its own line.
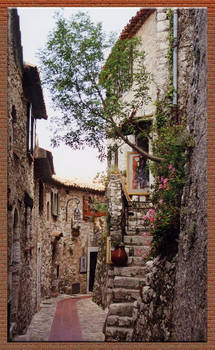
x=171, y=168
x=163, y=182
x=150, y=215
x=140, y=251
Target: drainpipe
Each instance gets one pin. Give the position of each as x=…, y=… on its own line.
x=175, y=56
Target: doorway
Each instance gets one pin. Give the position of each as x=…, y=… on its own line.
x=92, y=260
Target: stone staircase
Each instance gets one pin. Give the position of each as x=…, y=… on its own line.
x=126, y=280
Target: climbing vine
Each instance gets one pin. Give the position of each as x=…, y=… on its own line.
x=171, y=143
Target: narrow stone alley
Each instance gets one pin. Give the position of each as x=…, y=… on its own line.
x=66, y=318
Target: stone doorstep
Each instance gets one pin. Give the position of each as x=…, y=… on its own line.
x=137, y=239
x=119, y=333
x=121, y=309
x=130, y=271
x=119, y=321
x=126, y=295
x=126, y=282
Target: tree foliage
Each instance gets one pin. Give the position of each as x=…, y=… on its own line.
x=90, y=90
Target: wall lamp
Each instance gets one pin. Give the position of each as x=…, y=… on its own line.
x=77, y=212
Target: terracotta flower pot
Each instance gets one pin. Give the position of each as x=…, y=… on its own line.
x=119, y=256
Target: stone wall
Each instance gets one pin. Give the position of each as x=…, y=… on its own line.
x=101, y=280
x=152, y=315
x=190, y=300
x=21, y=258
x=104, y=274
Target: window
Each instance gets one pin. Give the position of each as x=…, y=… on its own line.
x=57, y=270
x=47, y=206
x=13, y=114
x=31, y=128
x=54, y=203
x=40, y=197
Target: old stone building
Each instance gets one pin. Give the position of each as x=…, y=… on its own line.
x=67, y=229
x=25, y=106
x=53, y=224
x=158, y=314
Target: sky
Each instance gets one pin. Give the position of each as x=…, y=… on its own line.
x=35, y=24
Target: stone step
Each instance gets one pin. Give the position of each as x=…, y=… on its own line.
x=137, y=251
x=137, y=215
x=136, y=230
x=126, y=295
x=126, y=282
x=131, y=271
x=137, y=239
x=136, y=261
x=119, y=321
x=121, y=309
x=118, y=334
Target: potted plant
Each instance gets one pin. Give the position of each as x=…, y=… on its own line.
x=119, y=256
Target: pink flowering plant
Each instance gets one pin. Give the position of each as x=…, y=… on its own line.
x=164, y=217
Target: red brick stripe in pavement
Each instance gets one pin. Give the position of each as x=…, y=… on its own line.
x=66, y=325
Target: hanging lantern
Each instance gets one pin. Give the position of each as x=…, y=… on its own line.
x=77, y=214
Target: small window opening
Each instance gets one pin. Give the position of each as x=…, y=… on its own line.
x=40, y=197
x=13, y=114
x=58, y=270
x=47, y=208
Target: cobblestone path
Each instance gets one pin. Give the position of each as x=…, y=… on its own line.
x=66, y=318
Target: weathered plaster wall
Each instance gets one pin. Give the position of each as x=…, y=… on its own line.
x=155, y=42
x=190, y=301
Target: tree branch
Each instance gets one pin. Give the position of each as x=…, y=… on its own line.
x=134, y=146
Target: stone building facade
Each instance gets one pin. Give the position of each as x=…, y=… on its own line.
x=53, y=224
x=25, y=106
x=151, y=26
x=67, y=229
x=174, y=292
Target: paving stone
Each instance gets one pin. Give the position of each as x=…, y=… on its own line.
x=91, y=317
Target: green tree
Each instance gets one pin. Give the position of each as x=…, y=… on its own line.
x=90, y=90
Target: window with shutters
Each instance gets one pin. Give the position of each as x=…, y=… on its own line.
x=54, y=203
x=31, y=128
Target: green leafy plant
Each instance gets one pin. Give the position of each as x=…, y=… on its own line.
x=89, y=89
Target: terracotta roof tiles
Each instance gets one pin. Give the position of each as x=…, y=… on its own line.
x=135, y=23
x=77, y=183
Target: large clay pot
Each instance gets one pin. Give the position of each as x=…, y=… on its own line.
x=119, y=256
